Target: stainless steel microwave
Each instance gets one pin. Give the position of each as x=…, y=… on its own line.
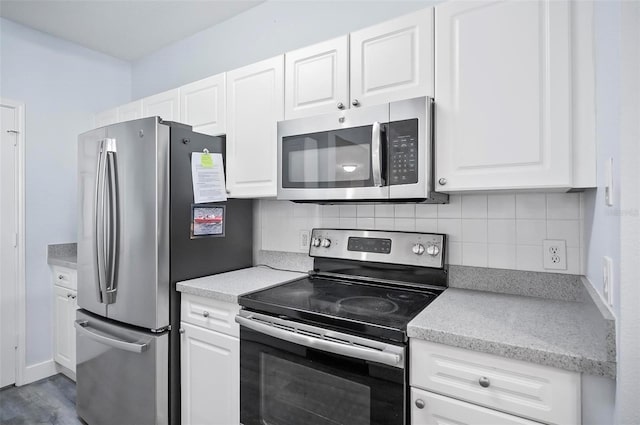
x=376, y=153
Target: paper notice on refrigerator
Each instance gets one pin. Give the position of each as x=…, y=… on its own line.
x=207, y=173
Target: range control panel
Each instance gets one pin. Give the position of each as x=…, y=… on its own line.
x=407, y=248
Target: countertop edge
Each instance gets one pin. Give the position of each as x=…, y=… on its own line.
x=62, y=263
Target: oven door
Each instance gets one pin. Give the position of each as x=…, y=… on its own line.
x=337, y=156
x=293, y=374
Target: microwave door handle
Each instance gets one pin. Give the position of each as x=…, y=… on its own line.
x=376, y=154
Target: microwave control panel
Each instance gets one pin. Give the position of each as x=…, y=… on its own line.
x=403, y=152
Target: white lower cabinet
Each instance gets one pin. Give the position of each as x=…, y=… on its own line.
x=209, y=362
x=65, y=306
x=457, y=385
x=433, y=409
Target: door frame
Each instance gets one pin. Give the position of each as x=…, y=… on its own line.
x=19, y=107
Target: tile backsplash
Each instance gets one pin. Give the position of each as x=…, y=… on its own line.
x=498, y=230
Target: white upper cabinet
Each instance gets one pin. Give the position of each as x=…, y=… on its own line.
x=105, y=118
x=503, y=95
x=255, y=103
x=203, y=105
x=166, y=105
x=393, y=60
x=317, y=78
x=130, y=111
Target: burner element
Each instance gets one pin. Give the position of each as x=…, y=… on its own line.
x=367, y=305
x=408, y=296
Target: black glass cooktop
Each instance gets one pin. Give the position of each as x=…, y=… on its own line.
x=370, y=310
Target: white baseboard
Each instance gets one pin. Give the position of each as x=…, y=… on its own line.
x=39, y=371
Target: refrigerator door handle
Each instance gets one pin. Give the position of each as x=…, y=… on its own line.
x=83, y=327
x=100, y=223
x=113, y=227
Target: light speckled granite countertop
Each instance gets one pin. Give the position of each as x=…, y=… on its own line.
x=229, y=286
x=571, y=335
x=64, y=254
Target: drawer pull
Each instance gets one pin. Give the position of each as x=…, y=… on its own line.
x=484, y=382
x=205, y=313
x=420, y=404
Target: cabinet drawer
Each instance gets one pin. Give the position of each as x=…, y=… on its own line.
x=533, y=391
x=211, y=314
x=64, y=277
x=437, y=410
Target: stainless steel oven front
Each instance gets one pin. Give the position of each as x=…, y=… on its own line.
x=293, y=373
x=381, y=152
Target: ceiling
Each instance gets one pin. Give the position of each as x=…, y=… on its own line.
x=126, y=29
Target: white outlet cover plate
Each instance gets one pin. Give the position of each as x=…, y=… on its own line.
x=554, y=254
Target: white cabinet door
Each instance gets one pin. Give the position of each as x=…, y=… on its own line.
x=393, y=60
x=210, y=377
x=432, y=409
x=255, y=103
x=64, y=332
x=203, y=105
x=503, y=104
x=130, y=111
x=316, y=79
x=166, y=105
x=105, y=118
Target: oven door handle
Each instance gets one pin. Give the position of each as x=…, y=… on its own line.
x=382, y=355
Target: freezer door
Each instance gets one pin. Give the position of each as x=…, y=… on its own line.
x=121, y=374
x=89, y=155
x=139, y=286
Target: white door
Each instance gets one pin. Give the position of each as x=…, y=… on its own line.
x=393, y=60
x=203, y=105
x=503, y=117
x=317, y=79
x=166, y=105
x=130, y=111
x=255, y=103
x=9, y=139
x=105, y=118
x=64, y=333
x=210, y=377
x=432, y=409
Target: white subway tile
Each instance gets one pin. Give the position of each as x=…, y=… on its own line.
x=474, y=230
x=306, y=210
x=574, y=265
x=567, y=230
x=452, y=227
x=474, y=254
x=454, y=253
x=365, y=211
x=348, y=223
x=563, y=206
x=331, y=222
x=531, y=206
x=501, y=256
x=501, y=232
x=531, y=232
x=384, y=223
x=529, y=258
x=366, y=223
x=474, y=206
x=426, y=211
x=427, y=225
x=404, y=224
x=347, y=211
x=501, y=206
x=405, y=211
x=331, y=210
x=451, y=210
x=384, y=210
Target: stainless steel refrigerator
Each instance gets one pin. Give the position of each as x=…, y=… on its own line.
x=135, y=241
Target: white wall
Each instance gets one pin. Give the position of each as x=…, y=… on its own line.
x=269, y=29
x=62, y=84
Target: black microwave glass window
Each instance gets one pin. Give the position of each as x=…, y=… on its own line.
x=403, y=152
x=329, y=159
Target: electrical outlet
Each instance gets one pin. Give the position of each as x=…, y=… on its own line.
x=554, y=254
x=303, y=239
x=607, y=280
